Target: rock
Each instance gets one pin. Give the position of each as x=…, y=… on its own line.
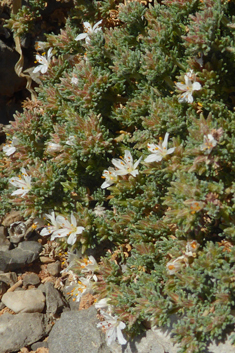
x=3, y=287
x=54, y=268
x=30, y=278
x=9, y=278
x=54, y=301
x=25, y=301
x=17, y=331
x=4, y=242
x=149, y=342
x=46, y=259
x=25, y=253
x=42, y=350
x=76, y=332
x=37, y=345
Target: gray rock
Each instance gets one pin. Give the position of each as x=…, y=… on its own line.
x=3, y=287
x=54, y=268
x=25, y=253
x=37, y=345
x=17, y=331
x=2, y=306
x=31, y=278
x=25, y=301
x=54, y=301
x=149, y=342
x=76, y=332
x=4, y=242
x=9, y=278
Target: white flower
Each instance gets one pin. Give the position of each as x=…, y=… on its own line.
x=125, y=166
x=71, y=140
x=23, y=182
x=68, y=229
x=55, y=225
x=159, y=151
x=39, y=45
x=110, y=176
x=10, y=147
x=195, y=206
x=43, y=61
x=89, y=265
x=188, y=88
x=176, y=265
x=99, y=211
x=209, y=143
x=53, y=147
x=88, y=30
x=74, y=80
x=191, y=248
x=112, y=328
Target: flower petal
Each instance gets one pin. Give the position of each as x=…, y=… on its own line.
x=120, y=336
x=73, y=220
x=44, y=232
x=153, y=158
x=37, y=68
x=165, y=142
x=19, y=192
x=87, y=26
x=171, y=150
x=80, y=230
x=44, y=68
x=97, y=25
x=81, y=36
x=72, y=238
x=118, y=163
x=111, y=335
x=196, y=86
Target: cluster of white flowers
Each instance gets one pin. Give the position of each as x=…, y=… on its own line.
x=44, y=60
x=126, y=165
x=182, y=261
x=80, y=286
x=60, y=227
x=188, y=87
x=123, y=166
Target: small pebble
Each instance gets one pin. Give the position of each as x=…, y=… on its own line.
x=46, y=259
x=54, y=268
x=30, y=278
